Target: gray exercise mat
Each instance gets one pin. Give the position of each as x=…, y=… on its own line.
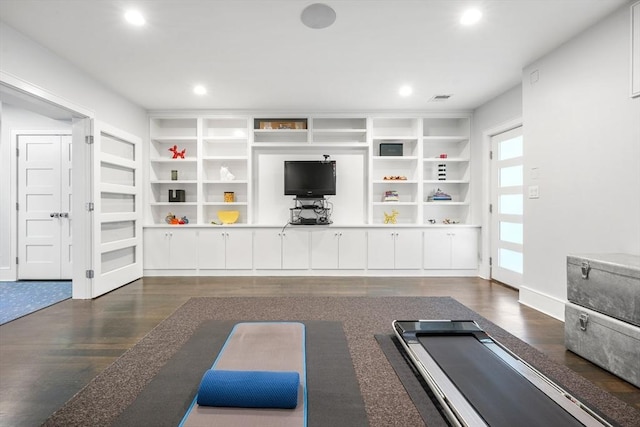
x=258, y=346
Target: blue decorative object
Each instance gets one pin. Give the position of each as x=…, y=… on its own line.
x=249, y=389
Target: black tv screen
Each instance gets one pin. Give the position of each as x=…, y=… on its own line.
x=309, y=178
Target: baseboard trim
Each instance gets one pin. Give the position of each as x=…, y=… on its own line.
x=544, y=303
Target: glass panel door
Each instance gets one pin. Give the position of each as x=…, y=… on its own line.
x=507, y=207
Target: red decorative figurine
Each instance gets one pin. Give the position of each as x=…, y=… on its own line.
x=176, y=153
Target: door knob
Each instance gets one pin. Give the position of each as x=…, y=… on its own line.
x=54, y=215
x=64, y=214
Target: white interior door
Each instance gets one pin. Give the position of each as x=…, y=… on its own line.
x=507, y=219
x=44, y=206
x=117, y=203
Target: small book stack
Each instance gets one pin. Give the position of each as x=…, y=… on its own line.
x=391, y=196
x=439, y=196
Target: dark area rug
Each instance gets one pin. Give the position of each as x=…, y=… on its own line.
x=386, y=401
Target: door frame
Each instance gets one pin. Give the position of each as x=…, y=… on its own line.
x=486, y=233
x=38, y=99
x=15, y=135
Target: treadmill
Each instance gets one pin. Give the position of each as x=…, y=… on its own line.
x=479, y=382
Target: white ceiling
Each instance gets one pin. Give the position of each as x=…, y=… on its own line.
x=257, y=55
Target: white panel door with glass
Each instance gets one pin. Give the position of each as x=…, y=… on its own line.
x=507, y=207
x=117, y=218
x=44, y=206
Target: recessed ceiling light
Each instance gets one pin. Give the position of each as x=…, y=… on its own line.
x=318, y=16
x=134, y=17
x=470, y=17
x=405, y=90
x=199, y=90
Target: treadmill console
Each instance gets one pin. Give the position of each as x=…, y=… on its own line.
x=410, y=329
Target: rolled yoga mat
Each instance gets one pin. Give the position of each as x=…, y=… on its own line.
x=249, y=389
x=274, y=347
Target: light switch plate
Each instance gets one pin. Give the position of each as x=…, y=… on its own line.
x=534, y=192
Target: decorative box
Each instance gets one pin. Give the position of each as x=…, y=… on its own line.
x=608, y=283
x=610, y=343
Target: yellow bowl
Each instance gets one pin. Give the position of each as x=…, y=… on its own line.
x=228, y=217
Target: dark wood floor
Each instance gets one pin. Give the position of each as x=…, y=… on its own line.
x=48, y=356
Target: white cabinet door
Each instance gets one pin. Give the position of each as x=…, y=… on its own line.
x=380, y=250
x=170, y=249
x=295, y=250
x=408, y=249
x=324, y=249
x=338, y=249
x=211, y=249
x=239, y=255
x=352, y=249
x=183, y=249
x=464, y=252
x=437, y=249
x=156, y=249
x=451, y=249
x=267, y=249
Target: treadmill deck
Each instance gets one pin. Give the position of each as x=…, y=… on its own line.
x=478, y=382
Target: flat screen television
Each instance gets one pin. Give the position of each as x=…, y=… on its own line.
x=309, y=178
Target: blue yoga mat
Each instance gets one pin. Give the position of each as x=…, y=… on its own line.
x=249, y=389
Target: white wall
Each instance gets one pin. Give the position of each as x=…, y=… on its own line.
x=492, y=117
x=38, y=66
x=29, y=63
x=272, y=206
x=582, y=133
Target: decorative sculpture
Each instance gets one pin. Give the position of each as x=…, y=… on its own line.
x=226, y=175
x=176, y=153
x=390, y=219
x=174, y=220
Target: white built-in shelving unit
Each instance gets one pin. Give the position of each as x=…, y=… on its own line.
x=449, y=137
x=210, y=143
x=166, y=133
x=429, y=144
x=429, y=237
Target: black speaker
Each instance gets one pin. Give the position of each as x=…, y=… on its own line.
x=391, y=149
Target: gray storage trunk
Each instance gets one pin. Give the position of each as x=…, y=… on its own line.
x=610, y=343
x=608, y=283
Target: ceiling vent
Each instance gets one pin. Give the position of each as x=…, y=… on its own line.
x=440, y=98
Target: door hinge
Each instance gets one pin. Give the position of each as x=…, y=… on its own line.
x=89, y=274
x=490, y=261
x=490, y=207
x=17, y=260
x=490, y=155
x=17, y=206
x=88, y=139
x=17, y=152
x=90, y=207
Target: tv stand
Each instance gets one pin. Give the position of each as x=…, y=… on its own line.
x=310, y=211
